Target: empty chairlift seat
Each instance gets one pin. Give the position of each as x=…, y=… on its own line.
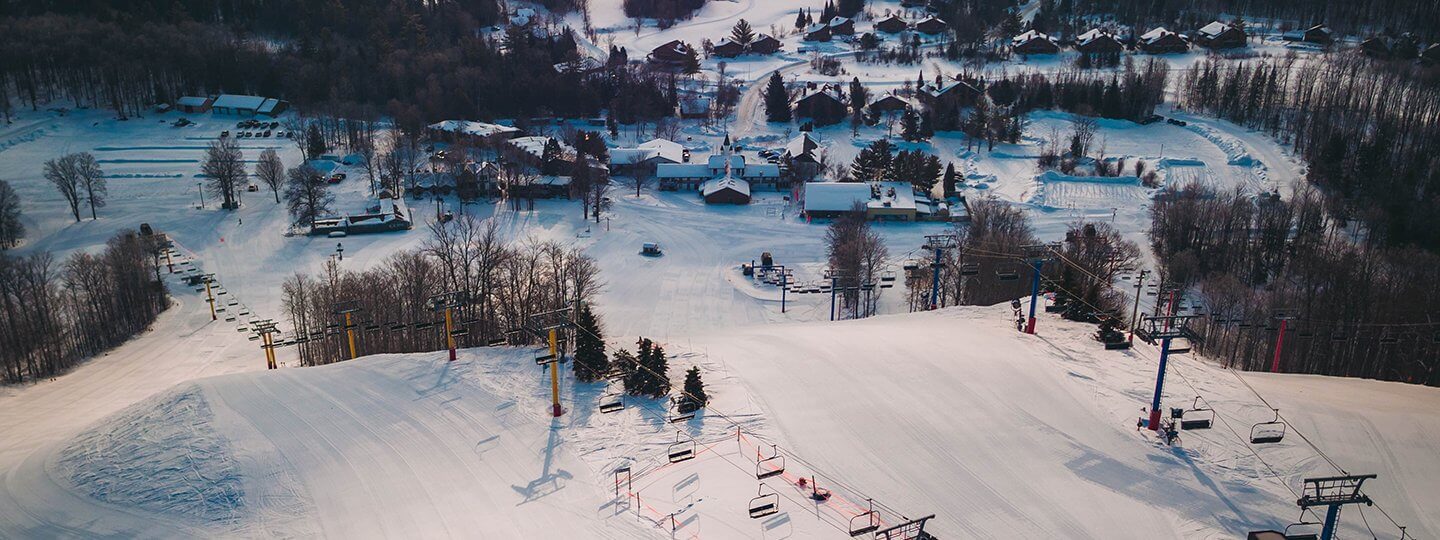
x=681, y=450
x=767, y=467
x=1268, y=432
x=764, y=504
x=1197, y=417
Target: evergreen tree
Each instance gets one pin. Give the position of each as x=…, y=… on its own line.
x=591, y=364
x=1010, y=27
x=314, y=142
x=777, y=100
x=742, y=33
x=850, y=8
x=950, y=180
x=800, y=19
x=650, y=378
x=695, y=397
x=910, y=125
x=828, y=12
x=873, y=162
x=692, y=61
x=859, y=97
x=550, y=158
x=624, y=362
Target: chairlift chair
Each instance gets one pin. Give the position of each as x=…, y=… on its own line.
x=681, y=450
x=969, y=269
x=1197, y=417
x=1268, y=432
x=397, y=327
x=764, y=504
x=497, y=342
x=424, y=325
x=1007, y=274
x=674, y=415
x=371, y=327
x=767, y=467
x=612, y=401
x=889, y=275
x=864, y=523
x=1179, y=345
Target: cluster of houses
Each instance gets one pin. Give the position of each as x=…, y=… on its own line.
x=1404, y=47
x=891, y=24
x=232, y=104
x=1216, y=35
x=761, y=44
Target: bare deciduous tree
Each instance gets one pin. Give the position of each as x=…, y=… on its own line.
x=271, y=172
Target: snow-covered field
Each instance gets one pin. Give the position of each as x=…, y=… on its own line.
x=181, y=432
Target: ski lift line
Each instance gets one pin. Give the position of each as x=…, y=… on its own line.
x=796, y=478
x=734, y=423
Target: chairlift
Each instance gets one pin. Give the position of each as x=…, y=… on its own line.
x=681, y=450
x=867, y=522
x=1179, y=345
x=910, y=266
x=424, y=325
x=497, y=342
x=889, y=275
x=766, y=467
x=1197, y=417
x=397, y=327
x=1007, y=274
x=764, y=504
x=459, y=332
x=969, y=269
x=674, y=415
x=370, y=327
x=612, y=401
x=1268, y=432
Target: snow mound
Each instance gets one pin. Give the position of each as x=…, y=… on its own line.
x=162, y=455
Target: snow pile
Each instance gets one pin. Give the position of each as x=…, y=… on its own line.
x=1235, y=150
x=161, y=455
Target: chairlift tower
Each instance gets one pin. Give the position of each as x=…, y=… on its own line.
x=1036, y=256
x=1284, y=316
x=939, y=243
x=1165, y=329
x=867, y=286
x=447, y=302
x=209, y=295
x=347, y=309
x=266, y=328
x=1332, y=492
x=547, y=326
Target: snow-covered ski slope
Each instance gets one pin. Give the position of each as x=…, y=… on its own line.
x=950, y=412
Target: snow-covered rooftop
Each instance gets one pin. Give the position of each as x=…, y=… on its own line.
x=835, y=196
x=237, y=101
x=682, y=170
x=1027, y=36
x=1214, y=29
x=1155, y=34
x=479, y=129
x=192, y=101
x=710, y=187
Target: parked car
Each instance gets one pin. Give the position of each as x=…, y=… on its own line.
x=224, y=134
x=266, y=134
x=252, y=188
x=336, y=178
x=1176, y=122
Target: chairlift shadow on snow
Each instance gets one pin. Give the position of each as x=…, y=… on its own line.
x=549, y=482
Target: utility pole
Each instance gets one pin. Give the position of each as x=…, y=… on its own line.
x=939, y=243
x=1164, y=329
x=1036, y=256
x=785, y=274
x=346, y=309
x=1135, y=311
x=1280, y=339
x=447, y=302
x=200, y=187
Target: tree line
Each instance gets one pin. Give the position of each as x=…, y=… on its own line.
x=502, y=284
x=1355, y=309
x=54, y=314
x=1367, y=130
x=410, y=60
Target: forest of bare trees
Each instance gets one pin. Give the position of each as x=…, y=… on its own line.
x=54, y=314
x=1354, y=309
x=502, y=282
x=1367, y=131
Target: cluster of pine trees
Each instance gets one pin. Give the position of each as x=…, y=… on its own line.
x=55, y=314
x=1367, y=130
x=666, y=11
x=12, y=230
x=880, y=162
x=1359, y=308
x=502, y=283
